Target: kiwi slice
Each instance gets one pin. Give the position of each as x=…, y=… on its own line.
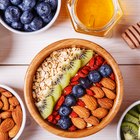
x=134, y=113
x=130, y=131
x=86, y=56
x=56, y=92
x=45, y=106
x=73, y=67
x=138, y=107
x=132, y=119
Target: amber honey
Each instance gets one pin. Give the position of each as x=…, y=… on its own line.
x=94, y=13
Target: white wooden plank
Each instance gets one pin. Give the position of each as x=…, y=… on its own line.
x=14, y=77
x=17, y=49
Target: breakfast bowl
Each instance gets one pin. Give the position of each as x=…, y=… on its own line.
x=73, y=88
x=128, y=126
x=29, y=17
x=13, y=114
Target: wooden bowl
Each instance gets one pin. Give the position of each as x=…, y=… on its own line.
x=36, y=63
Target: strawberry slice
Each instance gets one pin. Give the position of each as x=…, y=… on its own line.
x=72, y=128
x=67, y=90
x=90, y=92
x=50, y=118
x=112, y=76
x=80, y=103
x=73, y=114
x=59, y=103
x=74, y=83
x=92, y=62
x=75, y=78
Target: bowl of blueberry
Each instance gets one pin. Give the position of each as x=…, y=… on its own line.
x=73, y=88
x=28, y=16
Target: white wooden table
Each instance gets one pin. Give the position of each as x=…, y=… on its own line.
x=16, y=53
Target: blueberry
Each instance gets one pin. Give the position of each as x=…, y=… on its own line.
x=70, y=100
x=27, y=4
x=17, y=25
x=16, y=2
x=26, y=17
x=48, y=18
x=85, y=82
x=53, y=4
x=105, y=70
x=64, y=123
x=43, y=9
x=27, y=28
x=12, y=14
x=36, y=24
x=94, y=76
x=4, y=4
x=64, y=110
x=78, y=91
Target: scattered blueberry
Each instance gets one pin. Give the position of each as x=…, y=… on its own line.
x=53, y=4
x=4, y=4
x=26, y=17
x=78, y=91
x=16, y=2
x=36, y=24
x=94, y=76
x=43, y=9
x=64, y=110
x=105, y=70
x=85, y=82
x=27, y=4
x=70, y=100
x=27, y=28
x=64, y=123
x=12, y=14
x=17, y=25
x=48, y=18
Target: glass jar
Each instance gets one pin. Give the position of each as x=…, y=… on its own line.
x=94, y=17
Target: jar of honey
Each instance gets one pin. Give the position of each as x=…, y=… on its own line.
x=94, y=17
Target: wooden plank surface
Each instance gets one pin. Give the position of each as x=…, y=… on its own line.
x=13, y=76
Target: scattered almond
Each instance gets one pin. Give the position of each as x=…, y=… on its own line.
x=92, y=120
x=7, y=125
x=5, y=103
x=81, y=111
x=11, y=108
x=98, y=92
x=100, y=112
x=7, y=94
x=90, y=102
x=13, y=101
x=1, y=104
x=13, y=132
x=3, y=136
x=108, y=83
x=5, y=115
x=79, y=123
x=105, y=103
x=109, y=93
x=2, y=90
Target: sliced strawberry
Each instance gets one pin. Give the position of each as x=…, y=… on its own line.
x=94, y=67
x=81, y=74
x=86, y=68
x=99, y=60
x=72, y=128
x=59, y=103
x=57, y=117
x=75, y=78
x=54, y=121
x=67, y=90
x=92, y=61
x=80, y=103
x=85, y=71
x=50, y=118
x=54, y=113
x=98, y=85
x=74, y=83
x=90, y=92
x=73, y=114
x=112, y=76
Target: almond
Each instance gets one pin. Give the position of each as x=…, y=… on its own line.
x=79, y=123
x=1, y=104
x=109, y=93
x=2, y=90
x=13, y=101
x=17, y=115
x=81, y=111
x=100, y=112
x=5, y=115
x=11, y=108
x=13, y=132
x=90, y=102
x=108, y=83
x=92, y=120
x=105, y=103
x=98, y=92
x=3, y=136
x=7, y=125
x=5, y=103
x=7, y=94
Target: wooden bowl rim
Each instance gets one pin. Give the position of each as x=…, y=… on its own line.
x=66, y=43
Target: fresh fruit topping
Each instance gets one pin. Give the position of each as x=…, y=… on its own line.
x=90, y=102
x=134, y=113
x=92, y=62
x=74, y=83
x=70, y=100
x=17, y=25
x=4, y=4
x=50, y=118
x=90, y=92
x=78, y=91
x=58, y=117
x=81, y=74
x=16, y=2
x=75, y=78
x=86, y=56
x=60, y=102
x=64, y=123
x=26, y=17
x=94, y=76
x=79, y=122
x=72, y=128
x=105, y=103
x=112, y=76
x=53, y=4
x=81, y=111
x=99, y=61
x=67, y=90
x=105, y=70
x=81, y=103
x=64, y=110
x=45, y=106
x=92, y=120
x=85, y=82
